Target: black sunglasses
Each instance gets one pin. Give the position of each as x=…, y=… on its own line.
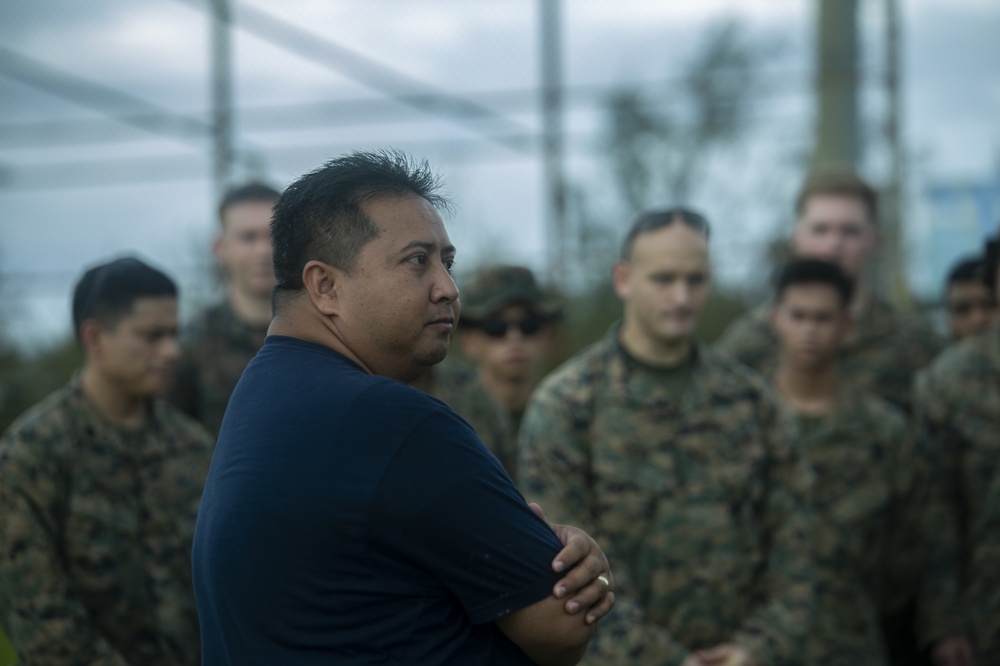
x=497, y=328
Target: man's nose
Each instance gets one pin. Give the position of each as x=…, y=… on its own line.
x=444, y=288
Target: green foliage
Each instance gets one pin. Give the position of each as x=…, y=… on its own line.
x=27, y=379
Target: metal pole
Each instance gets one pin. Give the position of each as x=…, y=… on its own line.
x=222, y=97
x=555, y=184
x=894, y=277
x=837, y=133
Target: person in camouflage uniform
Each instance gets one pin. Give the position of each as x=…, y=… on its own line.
x=869, y=475
x=681, y=461
x=957, y=402
x=219, y=342
x=507, y=330
x=99, y=490
x=969, y=299
x=836, y=222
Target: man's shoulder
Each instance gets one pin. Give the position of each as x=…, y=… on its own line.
x=964, y=362
x=46, y=433
x=180, y=427
x=718, y=372
x=749, y=338
x=583, y=371
x=754, y=320
x=869, y=411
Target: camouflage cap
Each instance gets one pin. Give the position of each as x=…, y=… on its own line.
x=492, y=289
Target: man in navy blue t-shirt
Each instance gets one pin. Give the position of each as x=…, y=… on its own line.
x=347, y=517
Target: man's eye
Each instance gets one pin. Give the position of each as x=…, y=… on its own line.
x=418, y=259
x=449, y=264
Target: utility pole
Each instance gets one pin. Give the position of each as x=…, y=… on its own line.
x=893, y=256
x=837, y=128
x=555, y=182
x=222, y=97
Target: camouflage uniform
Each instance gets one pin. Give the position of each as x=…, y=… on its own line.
x=215, y=348
x=887, y=349
x=459, y=387
x=702, y=506
x=96, y=525
x=957, y=400
x=868, y=491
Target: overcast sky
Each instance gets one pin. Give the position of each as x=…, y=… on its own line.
x=78, y=186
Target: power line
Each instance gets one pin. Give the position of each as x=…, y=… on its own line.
x=359, y=111
x=405, y=88
x=109, y=101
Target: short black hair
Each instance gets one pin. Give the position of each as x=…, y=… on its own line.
x=249, y=192
x=814, y=271
x=107, y=292
x=321, y=216
x=967, y=269
x=657, y=219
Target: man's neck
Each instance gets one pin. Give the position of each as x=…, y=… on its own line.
x=512, y=393
x=809, y=391
x=659, y=353
x=252, y=309
x=115, y=405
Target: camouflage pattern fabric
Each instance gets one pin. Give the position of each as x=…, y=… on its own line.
x=868, y=491
x=701, y=506
x=459, y=387
x=215, y=349
x=958, y=403
x=96, y=525
x=886, y=351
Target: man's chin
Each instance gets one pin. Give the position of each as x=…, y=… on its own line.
x=434, y=355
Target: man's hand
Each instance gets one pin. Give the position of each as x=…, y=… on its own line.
x=952, y=651
x=727, y=654
x=589, y=584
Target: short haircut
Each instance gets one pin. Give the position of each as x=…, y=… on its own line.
x=249, y=192
x=321, y=216
x=814, y=271
x=967, y=269
x=108, y=291
x=657, y=219
x=841, y=181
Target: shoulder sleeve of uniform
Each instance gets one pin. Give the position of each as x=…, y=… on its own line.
x=185, y=429
x=749, y=339
x=554, y=446
x=43, y=436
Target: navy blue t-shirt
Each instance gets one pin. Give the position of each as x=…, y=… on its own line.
x=351, y=519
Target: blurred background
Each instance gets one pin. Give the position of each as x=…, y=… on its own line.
x=552, y=122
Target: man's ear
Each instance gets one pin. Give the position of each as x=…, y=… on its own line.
x=91, y=337
x=620, y=278
x=323, y=283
